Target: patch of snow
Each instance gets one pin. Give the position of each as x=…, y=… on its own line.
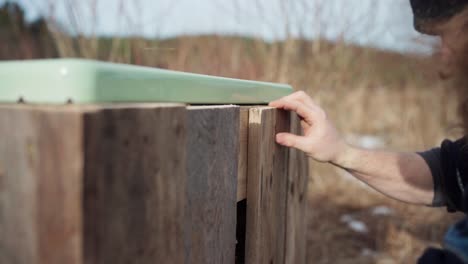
x=358, y=226
x=353, y=224
x=346, y=218
x=382, y=211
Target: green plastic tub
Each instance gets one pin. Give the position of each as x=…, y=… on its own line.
x=84, y=81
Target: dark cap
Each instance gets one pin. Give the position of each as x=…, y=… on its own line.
x=426, y=11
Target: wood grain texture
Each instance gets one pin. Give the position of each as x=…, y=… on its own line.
x=212, y=155
x=40, y=185
x=134, y=185
x=243, y=154
x=266, y=187
x=137, y=205
x=296, y=225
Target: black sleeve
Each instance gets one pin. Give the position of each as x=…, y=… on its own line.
x=439, y=256
x=448, y=165
x=432, y=158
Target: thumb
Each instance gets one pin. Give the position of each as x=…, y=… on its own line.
x=292, y=141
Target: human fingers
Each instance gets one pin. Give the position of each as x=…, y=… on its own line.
x=308, y=114
x=300, y=96
x=303, y=97
x=292, y=141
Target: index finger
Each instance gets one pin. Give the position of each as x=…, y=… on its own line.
x=300, y=96
x=306, y=113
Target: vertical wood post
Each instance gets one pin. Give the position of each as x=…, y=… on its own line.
x=243, y=154
x=213, y=152
x=266, y=187
x=134, y=184
x=40, y=185
x=276, y=191
x=92, y=184
x=296, y=221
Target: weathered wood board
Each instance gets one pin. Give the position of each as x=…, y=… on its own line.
x=276, y=191
x=149, y=183
x=40, y=186
x=243, y=154
x=212, y=163
x=134, y=185
x=266, y=187
x=100, y=184
x=296, y=223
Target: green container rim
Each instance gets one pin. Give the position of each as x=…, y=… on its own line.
x=57, y=81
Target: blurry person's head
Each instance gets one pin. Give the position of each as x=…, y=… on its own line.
x=448, y=19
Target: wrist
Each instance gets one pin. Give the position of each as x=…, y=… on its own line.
x=345, y=156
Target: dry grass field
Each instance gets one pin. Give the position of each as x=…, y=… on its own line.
x=377, y=99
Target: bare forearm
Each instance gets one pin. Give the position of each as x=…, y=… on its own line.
x=402, y=176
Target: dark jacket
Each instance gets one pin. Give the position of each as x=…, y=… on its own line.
x=449, y=167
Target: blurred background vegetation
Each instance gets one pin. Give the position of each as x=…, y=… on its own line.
x=378, y=98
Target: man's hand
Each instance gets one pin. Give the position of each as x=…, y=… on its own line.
x=321, y=140
x=402, y=176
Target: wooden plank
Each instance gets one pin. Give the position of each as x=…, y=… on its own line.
x=213, y=152
x=267, y=187
x=134, y=184
x=296, y=224
x=243, y=154
x=40, y=185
